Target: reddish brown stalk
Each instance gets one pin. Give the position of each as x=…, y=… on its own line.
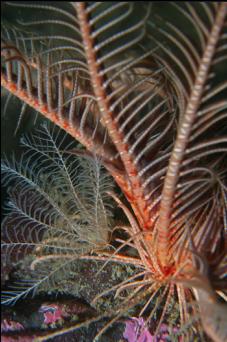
x=134, y=193
x=182, y=139
x=53, y=116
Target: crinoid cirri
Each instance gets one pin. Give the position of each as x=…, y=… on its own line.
x=142, y=88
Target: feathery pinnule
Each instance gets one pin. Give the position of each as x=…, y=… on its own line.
x=143, y=88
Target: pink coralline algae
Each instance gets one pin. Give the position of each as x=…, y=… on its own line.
x=8, y=326
x=52, y=313
x=136, y=331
